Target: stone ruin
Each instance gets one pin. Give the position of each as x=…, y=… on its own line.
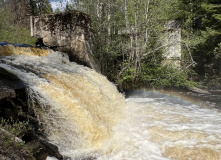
x=66, y=32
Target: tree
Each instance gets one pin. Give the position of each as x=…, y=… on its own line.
x=11, y=30
x=201, y=30
x=41, y=7
x=15, y=19
x=127, y=36
x=57, y=10
x=68, y=7
x=20, y=12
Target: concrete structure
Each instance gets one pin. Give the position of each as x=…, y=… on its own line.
x=172, y=39
x=66, y=32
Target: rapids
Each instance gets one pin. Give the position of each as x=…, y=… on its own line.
x=180, y=128
x=86, y=117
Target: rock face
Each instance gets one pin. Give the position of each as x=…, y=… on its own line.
x=66, y=32
x=14, y=105
x=8, y=84
x=10, y=88
x=12, y=147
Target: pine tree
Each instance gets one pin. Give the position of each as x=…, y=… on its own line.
x=34, y=8
x=201, y=30
x=68, y=8
x=211, y=21
x=41, y=7
x=57, y=10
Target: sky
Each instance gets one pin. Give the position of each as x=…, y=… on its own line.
x=59, y=4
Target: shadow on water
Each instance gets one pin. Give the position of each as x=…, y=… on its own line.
x=212, y=100
x=15, y=45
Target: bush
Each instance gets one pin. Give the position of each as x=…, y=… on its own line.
x=154, y=76
x=10, y=145
x=17, y=128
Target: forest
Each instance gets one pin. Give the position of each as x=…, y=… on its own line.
x=128, y=38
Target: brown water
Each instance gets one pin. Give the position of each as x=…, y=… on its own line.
x=8, y=50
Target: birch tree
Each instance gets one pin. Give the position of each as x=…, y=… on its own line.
x=127, y=35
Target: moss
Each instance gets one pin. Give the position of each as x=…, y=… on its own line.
x=64, y=21
x=10, y=146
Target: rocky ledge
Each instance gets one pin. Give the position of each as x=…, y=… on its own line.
x=69, y=32
x=27, y=142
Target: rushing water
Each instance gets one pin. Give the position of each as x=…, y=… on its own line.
x=85, y=116
x=180, y=128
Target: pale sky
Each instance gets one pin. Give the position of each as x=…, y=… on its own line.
x=59, y=4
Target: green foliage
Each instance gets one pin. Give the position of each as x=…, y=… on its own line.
x=213, y=83
x=40, y=7
x=217, y=51
x=202, y=32
x=16, y=34
x=16, y=128
x=11, y=32
x=155, y=75
x=68, y=8
x=125, y=32
x=57, y=10
x=9, y=130
x=12, y=27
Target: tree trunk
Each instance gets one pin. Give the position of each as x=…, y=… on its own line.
x=136, y=52
x=146, y=25
x=129, y=29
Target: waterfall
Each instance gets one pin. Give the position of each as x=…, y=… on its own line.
x=85, y=116
x=77, y=106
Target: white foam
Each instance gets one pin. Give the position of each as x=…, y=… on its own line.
x=86, y=116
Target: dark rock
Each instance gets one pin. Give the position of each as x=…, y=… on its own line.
x=51, y=149
x=12, y=148
x=14, y=105
x=38, y=150
x=40, y=43
x=8, y=84
x=41, y=146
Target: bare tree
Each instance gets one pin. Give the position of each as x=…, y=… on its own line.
x=20, y=11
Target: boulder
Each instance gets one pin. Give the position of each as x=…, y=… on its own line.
x=41, y=149
x=198, y=90
x=8, y=84
x=66, y=32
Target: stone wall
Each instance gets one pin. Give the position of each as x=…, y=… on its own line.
x=172, y=39
x=66, y=32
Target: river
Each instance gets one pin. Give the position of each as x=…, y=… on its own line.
x=162, y=125
x=87, y=118
x=183, y=125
